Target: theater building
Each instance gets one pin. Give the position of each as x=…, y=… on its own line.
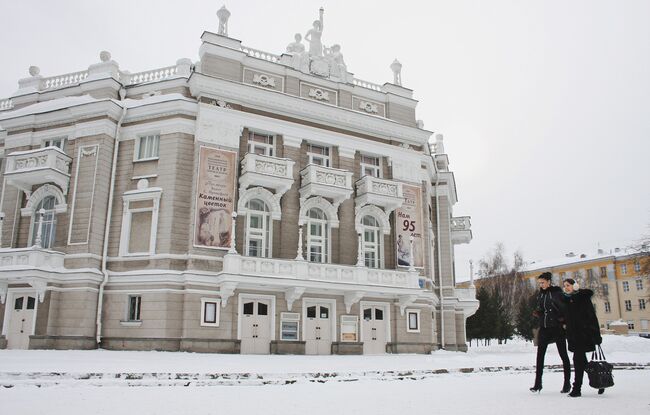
x=248, y=202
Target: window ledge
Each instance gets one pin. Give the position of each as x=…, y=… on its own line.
x=136, y=323
x=147, y=159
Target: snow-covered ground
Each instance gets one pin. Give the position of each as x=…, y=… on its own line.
x=85, y=382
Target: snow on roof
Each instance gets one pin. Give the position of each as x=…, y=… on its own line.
x=575, y=259
x=47, y=106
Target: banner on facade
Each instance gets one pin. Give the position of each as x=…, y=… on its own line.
x=215, y=195
x=408, y=223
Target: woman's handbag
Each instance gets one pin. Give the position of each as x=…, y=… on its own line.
x=599, y=371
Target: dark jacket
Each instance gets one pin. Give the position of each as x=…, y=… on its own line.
x=550, y=308
x=583, y=330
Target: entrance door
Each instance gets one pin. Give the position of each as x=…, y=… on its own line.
x=374, y=330
x=255, y=326
x=21, y=322
x=318, y=329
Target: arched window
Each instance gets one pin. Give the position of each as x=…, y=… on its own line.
x=318, y=236
x=372, y=242
x=258, y=229
x=47, y=222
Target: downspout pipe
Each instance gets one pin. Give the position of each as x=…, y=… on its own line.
x=109, y=212
x=442, y=302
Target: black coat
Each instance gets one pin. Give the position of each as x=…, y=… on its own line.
x=583, y=330
x=550, y=308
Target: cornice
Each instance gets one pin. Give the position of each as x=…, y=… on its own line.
x=298, y=107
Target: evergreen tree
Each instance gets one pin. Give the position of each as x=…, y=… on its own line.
x=476, y=324
x=525, y=322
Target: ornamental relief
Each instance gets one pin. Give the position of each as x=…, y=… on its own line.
x=264, y=80
x=330, y=178
x=384, y=188
x=31, y=162
x=267, y=167
x=318, y=94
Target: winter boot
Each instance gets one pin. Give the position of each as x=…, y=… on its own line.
x=538, y=385
x=566, y=388
x=575, y=392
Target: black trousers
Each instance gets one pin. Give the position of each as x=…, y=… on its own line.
x=579, y=364
x=546, y=337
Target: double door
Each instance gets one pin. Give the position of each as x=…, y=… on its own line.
x=374, y=330
x=256, y=327
x=21, y=321
x=318, y=328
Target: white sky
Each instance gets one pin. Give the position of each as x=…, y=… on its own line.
x=545, y=105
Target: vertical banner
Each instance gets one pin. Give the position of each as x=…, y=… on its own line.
x=408, y=222
x=215, y=195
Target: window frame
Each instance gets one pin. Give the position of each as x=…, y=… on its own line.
x=327, y=158
x=376, y=247
x=51, y=140
x=138, y=144
x=152, y=194
x=269, y=149
x=376, y=168
x=217, y=303
x=264, y=234
x=36, y=218
x=415, y=312
x=127, y=317
x=624, y=269
x=642, y=304
x=628, y=305
x=608, y=307
x=288, y=317
x=324, y=240
x=639, y=284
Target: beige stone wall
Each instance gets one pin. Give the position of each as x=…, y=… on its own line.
x=400, y=113
x=161, y=314
x=71, y=313
x=222, y=68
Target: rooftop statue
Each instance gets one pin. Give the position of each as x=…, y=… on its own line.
x=314, y=34
x=338, y=68
x=223, y=14
x=299, y=58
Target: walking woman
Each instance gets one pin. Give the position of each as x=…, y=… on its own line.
x=549, y=310
x=583, y=330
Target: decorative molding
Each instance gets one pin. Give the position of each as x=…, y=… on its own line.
x=318, y=94
x=271, y=200
x=226, y=290
x=213, y=128
x=374, y=211
x=264, y=80
x=292, y=294
x=352, y=297
x=321, y=203
x=41, y=193
x=368, y=107
x=406, y=301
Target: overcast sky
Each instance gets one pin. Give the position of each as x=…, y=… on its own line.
x=544, y=105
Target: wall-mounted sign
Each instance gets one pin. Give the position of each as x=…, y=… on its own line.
x=408, y=223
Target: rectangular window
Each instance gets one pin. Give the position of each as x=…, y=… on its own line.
x=289, y=326
x=605, y=289
x=370, y=166
x=210, y=312
x=262, y=144
x=139, y=224
x=644, y=325
x=626, y=286
x=630, y=325
x=133, y=313
x=54, y=142
x=608, y=307
x=590, y=273
x=639, y=284
x=562, y=275
x=641, y=303
x=318, y=155
x=623, y=269
x=413, y=321
x=603, y=272
x=148, y=147
x=628, y=305
x=637, y=267
x=349, y=328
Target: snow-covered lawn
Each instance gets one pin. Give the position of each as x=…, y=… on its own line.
x=363, y=384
